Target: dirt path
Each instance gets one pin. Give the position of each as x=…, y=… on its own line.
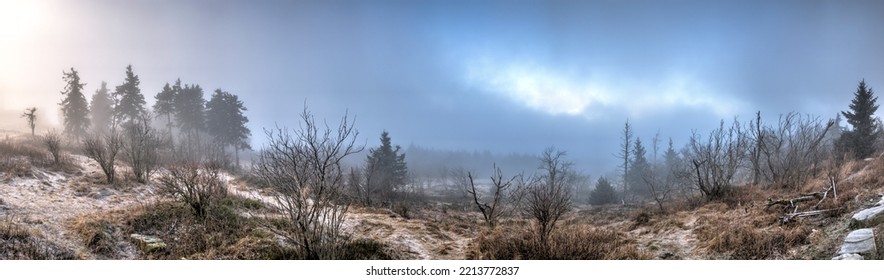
x=674, y=239
x=418, y=239
x=52, y=201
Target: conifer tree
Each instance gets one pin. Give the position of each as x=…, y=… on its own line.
x=102, y=109
x=226, y=122
x=131, y=105
x=386, y=168
x=165, y=104
x=861, y=139
x=74, y=107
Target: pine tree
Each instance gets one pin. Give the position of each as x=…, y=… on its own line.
x=670, y=157
x=603, y=193
x=387, y=168
x=101, y=109
x=190, y=109
x=74, y=107
x=861, y=138
x=165, y=104
x=131, y=105
x=225, y=121
x=640, y=167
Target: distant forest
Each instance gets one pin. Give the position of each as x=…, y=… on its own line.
x=424, y=162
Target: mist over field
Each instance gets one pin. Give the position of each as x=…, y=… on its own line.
x=439, y=129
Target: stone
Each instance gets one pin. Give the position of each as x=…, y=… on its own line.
x=148, y=243
x=868, y=217
x=849, y=257
x=862, y=242
x=102, y=193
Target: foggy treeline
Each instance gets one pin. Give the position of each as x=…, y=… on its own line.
x=436, y=163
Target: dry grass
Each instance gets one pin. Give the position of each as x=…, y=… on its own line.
x=18, y=242
x=216, y=236
x=573, y=242
x=224, y=233
x=748, y=234
x=19, y=156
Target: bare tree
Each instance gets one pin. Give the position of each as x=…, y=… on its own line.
x=197, y=185
x=30, y=115
x=791, y=150
x=141, y=148
x=625, y=152
x=52, y=141
x=504, y=193
x=549, y=197
x=661, y=187
x=755, y=135
x=304, y=169
x=103, y=148
x=716, y=159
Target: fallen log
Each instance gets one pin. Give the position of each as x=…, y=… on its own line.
x=791, y=217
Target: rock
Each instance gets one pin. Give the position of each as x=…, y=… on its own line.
x=148, y=243
x=862, y=242
x=101, y=194
x=849, y=257
x=868, y=217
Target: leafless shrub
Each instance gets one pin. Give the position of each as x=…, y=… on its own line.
x=52, y=141
x=304, y=169
x=716, y=159
x=141, y=148
x=103, y=148
x=661, y=187
x=791, y=150
x=505, y=195
x=549, y=197
x=197, y=185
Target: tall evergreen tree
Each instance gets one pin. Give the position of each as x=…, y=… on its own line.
x=102, y=109
x=861, y=138
x=165, y=104
x=74, y=107
x=226, y=122
x=386, y=167
x=640, y=168
x=190, y=109
x=131, y=105
x=670, y=157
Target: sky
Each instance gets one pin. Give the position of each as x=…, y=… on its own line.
x=503, y=76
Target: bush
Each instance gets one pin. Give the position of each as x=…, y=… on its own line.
x=304, y=170
x=103, y=148
x=52, y=141
x=141, y=148
x=193, y=184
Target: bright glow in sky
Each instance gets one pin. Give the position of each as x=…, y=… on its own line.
x=18, y=18
x=558, y=93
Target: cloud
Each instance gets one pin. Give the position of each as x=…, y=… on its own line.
x=559, y=92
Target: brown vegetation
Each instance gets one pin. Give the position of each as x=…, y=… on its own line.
x=575, y=242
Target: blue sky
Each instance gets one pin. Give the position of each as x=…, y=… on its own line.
x=505, y=76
